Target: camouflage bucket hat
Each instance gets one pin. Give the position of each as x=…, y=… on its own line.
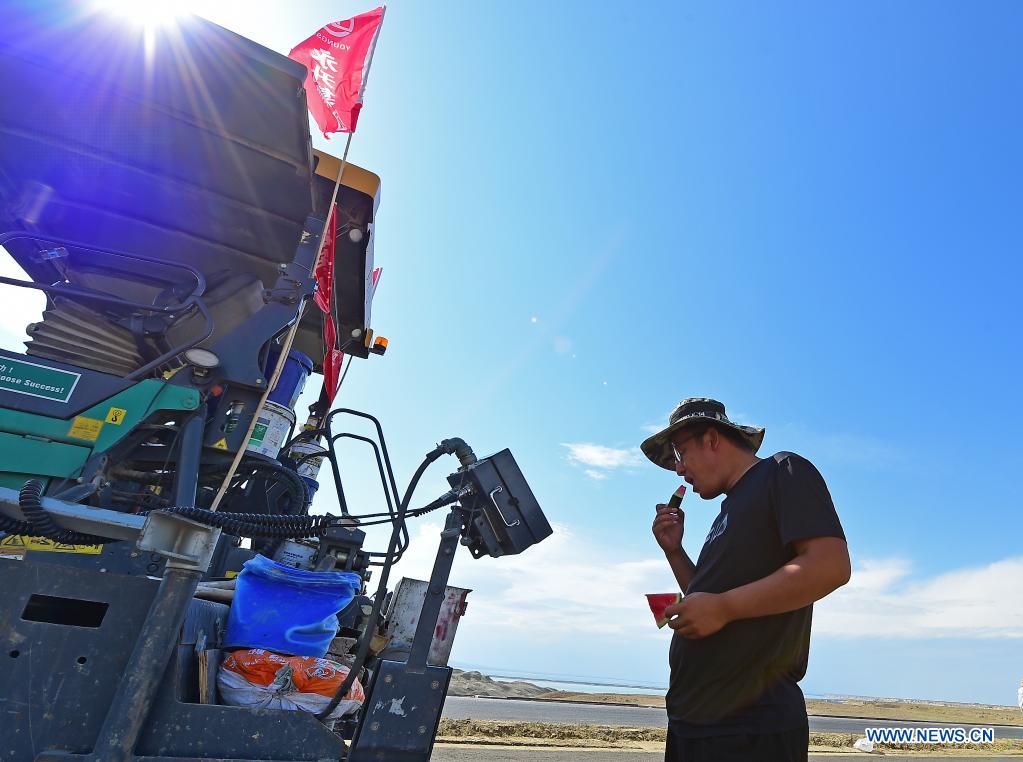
x=690, y=412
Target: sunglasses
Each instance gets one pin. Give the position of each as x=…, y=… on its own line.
x=680, y=456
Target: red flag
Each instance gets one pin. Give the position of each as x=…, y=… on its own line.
x=325, y=266
x=338, y=58
x=324, y=274
x=331, y=359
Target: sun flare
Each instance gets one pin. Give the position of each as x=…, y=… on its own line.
x=147, y=13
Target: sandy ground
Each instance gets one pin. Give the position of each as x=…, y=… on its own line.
x=551, y=735
x=449, y=753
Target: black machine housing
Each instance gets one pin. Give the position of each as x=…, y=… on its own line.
x=164, y=196
x=505, y=515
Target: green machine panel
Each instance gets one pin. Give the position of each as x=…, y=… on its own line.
x=36, y=445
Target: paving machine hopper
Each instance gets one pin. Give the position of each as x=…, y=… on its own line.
x=160, y=191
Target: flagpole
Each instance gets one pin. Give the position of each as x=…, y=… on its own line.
x=289, y=339
x=332, y=306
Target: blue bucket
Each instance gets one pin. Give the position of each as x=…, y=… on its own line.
x=296, y=370
x=291, y=611
x=311, y=485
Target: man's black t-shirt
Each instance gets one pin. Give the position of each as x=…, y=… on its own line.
x=743, y=678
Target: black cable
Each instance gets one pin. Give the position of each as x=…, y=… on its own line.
x=466, y=457
x=293, y=484
x=343, y=374
x=371, y=622
x=447, y=499
x=295, y=489
x=30, y=500
x=14, y=526
x=258, y=525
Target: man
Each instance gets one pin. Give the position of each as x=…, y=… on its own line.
x=742, y=632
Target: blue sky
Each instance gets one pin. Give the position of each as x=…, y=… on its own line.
x=808, y=211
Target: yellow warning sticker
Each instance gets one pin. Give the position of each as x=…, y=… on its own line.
x=221, y=444
x=116, y=415
x=17, y=545
x=85, y=428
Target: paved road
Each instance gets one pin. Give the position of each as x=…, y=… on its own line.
x=475, y=753
x=461, y=707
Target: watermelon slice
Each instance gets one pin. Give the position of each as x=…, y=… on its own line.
x=658, y=602
x=676, y=497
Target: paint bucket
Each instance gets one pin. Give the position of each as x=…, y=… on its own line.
x=309, y=456
x=290, y=611
x=289, y=386
x=272, y=428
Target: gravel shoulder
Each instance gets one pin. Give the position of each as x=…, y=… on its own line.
x=580, y=736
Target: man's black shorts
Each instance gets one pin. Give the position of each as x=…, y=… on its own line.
x=789, y=746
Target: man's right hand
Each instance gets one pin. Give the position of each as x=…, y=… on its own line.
x=668, y=528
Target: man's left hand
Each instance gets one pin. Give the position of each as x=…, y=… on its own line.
x=699, y=615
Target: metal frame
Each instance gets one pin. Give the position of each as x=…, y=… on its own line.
x=86, y=664
x=79, y=518
x=139, y=700
x=194, y=299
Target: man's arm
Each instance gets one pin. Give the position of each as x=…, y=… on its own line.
x=821, y=566
x=682, y=567
x=668, y=528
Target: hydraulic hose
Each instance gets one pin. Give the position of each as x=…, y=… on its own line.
x=41, y=523
x=259, y=525
x=14, y=526
x=460, y=449
x=449, y=497
x=292, y=482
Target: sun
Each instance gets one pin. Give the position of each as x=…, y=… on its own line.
x=147, y=13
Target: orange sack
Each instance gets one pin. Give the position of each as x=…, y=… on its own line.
x=260, y=678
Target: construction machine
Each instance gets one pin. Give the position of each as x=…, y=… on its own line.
x=160, y=191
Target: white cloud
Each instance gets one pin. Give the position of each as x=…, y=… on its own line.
x=599, y=456
x=882, y=601
x=574, y=605
x=566, y=588
x=599, y=461
x=561, y=589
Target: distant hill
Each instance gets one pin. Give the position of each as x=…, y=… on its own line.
x=478, y=684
